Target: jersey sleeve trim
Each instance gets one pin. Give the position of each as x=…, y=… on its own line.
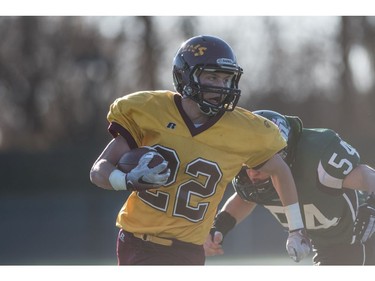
x=328, y=180
x=116, y=129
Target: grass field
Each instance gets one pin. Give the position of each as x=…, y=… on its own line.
x=258, y=260
x=217, y=268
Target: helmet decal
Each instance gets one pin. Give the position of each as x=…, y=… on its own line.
x=197, y=50
x=282, y=123
x=284, y=128
x=279, y=120
x=225, y=61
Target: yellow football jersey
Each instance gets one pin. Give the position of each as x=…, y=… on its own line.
x=203, y=160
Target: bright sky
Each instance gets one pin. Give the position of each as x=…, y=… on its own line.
x=237, y=8
x=192, y=7
x=248, y=37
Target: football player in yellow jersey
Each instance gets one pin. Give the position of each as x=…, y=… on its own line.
x=169, y=213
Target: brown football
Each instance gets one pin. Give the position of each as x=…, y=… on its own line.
x=131, y=158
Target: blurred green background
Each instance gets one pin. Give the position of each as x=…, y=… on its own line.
x=58, y=76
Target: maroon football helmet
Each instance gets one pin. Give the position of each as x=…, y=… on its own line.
x=206, y=53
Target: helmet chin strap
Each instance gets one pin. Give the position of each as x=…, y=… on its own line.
x=207, y=110
x=204, y=108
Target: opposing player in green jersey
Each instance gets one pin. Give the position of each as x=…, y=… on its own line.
x=329, y=177
x=205, y=139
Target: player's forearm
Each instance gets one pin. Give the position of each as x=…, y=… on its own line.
x=287, y=191
x=284, y=184
x=361, y=178
x=238, y=208
x=282, y=179
x=99, y=174
x=232, y=213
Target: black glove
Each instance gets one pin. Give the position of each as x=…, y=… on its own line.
x=364, y=225
x=223, y=223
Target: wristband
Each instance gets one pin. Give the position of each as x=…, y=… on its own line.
x=293, y=215
x=224, y=222
x=117, y=180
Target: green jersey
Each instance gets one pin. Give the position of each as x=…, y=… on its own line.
x=322, y=160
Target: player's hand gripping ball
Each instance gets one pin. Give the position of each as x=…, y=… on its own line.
x=145, y=168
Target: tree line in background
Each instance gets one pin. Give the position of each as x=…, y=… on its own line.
x=58, y=76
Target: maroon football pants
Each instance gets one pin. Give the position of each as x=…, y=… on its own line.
x=135, y=251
